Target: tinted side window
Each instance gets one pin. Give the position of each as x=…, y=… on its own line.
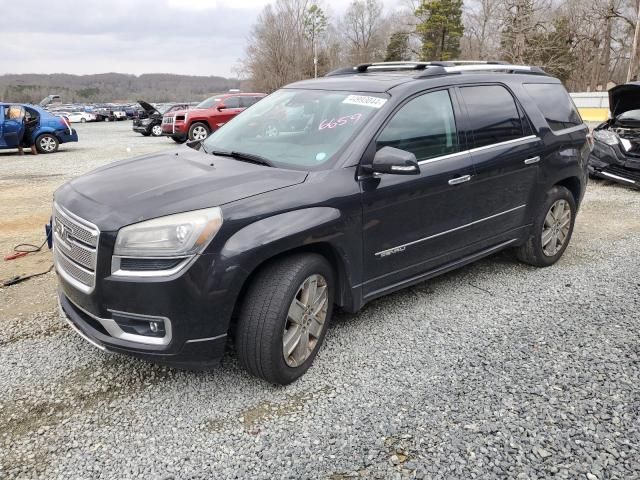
x=246, y=102
x=424, y=126
x=555, y=104
x=493, y=115
x=232, y=102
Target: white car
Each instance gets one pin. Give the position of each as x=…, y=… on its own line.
x=80, y=117
x=120, y=114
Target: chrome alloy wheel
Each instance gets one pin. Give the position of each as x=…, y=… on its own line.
x=556, y=227
x=199, y=133
x=156, y=130
x=48, y=144
x=305, y=320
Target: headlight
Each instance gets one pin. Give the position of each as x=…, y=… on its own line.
x=606, y=136
x=177, y=235
x=146, y=121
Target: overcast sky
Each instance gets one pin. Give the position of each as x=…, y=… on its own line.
x=195, y=37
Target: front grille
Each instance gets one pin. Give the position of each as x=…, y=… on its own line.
x=167, y=120
x=623, y=172
x=75, y=244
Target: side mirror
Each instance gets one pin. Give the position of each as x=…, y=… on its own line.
x=394, y=161
x=221, y=107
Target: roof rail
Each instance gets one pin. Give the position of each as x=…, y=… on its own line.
x=440, y=67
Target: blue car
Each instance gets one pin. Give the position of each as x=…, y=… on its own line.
x=48, y=131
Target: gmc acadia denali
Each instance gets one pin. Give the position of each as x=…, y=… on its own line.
x=329, y=192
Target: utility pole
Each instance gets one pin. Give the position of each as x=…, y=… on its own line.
x=634, y=48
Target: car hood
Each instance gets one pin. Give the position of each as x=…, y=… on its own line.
x=147, y=107
x=624, y=98
x=175, y=181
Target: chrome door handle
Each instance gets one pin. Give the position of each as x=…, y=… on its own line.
x=532, y=160
x=459, y=180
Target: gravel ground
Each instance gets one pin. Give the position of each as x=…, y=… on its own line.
x=495, y=370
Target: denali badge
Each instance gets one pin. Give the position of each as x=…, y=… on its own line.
x=386, y=253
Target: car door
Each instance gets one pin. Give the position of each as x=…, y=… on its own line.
x=505, y=156
x=13, y=125
x=231, y=109
x=2, y=141
x=411, y=223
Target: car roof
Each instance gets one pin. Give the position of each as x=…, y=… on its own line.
x=384, y=77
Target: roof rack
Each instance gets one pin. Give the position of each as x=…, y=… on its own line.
x=440, y=67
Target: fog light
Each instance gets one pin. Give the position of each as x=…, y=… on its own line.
x=154, y=327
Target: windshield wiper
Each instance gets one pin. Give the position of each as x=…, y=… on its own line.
x=246, y=157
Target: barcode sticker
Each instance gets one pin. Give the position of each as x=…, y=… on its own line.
x=365, y=100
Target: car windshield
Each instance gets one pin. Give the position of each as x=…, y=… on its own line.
x=209, y=102
x=299, y=129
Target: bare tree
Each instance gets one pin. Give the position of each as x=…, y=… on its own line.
x=482, y=21
x=365, y=31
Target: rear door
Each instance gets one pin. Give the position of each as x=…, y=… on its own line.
x=13, y=125
x=412, y=222
x=506, y=157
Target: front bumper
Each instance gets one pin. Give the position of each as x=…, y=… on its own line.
x=175, y=130
x=142, y=129
x=193, y=354
x=611, y=163
x=66, y=136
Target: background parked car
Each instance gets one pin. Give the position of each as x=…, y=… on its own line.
x=616, y=150
x=207, y=117
x=49, y=133
x=151, y=124
x=80, y=117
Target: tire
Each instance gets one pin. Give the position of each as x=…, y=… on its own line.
x=156, y=130
x=145, y=134
x=83, y=120
x=264, y=320
x=178, y=139
x=47, y=143
x=545, y=252
x=199, y=131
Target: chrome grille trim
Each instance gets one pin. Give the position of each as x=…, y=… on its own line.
x=75, y=251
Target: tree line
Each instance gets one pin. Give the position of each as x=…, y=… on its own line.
x=587, y=44
x=112, y=87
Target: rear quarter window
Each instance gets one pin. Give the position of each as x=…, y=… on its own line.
x=555, y=104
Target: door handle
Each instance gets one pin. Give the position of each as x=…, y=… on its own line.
x=459, y=180
x=532, y=160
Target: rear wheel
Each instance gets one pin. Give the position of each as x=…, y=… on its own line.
x=47, y=143
x=552, y=229
x=198, y=131
x=284, y=317
x=156, y=130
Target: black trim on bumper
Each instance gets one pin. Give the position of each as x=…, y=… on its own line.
x=195, y=354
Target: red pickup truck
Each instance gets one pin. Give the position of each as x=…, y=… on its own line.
x=199, y=122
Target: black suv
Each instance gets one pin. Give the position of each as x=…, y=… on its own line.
x=329, y=192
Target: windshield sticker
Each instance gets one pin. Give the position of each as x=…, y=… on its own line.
x=365, y=100
x=321, y=156
x=333, y=122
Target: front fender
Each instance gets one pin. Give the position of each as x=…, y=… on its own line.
x=310, y=227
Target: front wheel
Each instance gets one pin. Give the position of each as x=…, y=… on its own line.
x=198, y=131
x=47, y=143
x=156, y=130
x=552, y=229
x=83, y=120
x=284, y=317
